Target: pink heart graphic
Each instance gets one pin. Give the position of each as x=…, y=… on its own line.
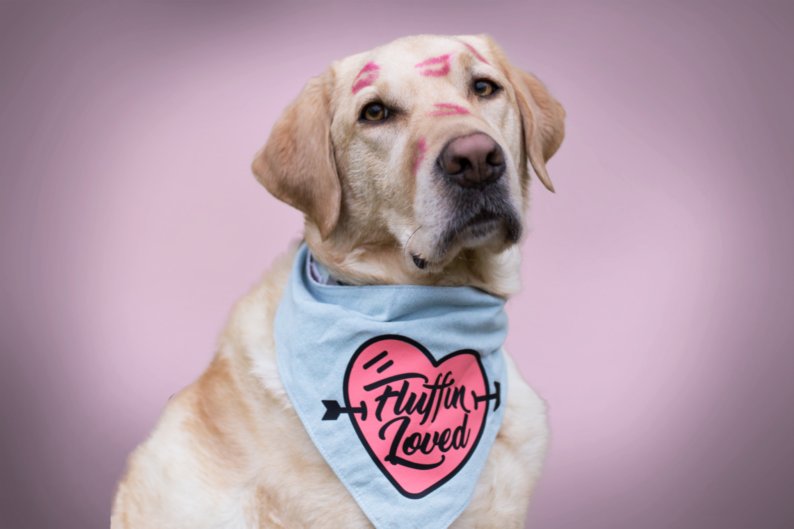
x=419, y=419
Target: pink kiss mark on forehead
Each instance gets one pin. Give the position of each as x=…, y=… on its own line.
x=448, y=109
x=368, y=75
x=434, y=66
x=475, y=52
x=421, y=149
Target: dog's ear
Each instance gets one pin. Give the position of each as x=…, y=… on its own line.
x=542, y=116
x=543, y=119
x=297, y=163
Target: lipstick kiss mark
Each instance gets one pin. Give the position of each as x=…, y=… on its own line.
x=367, y=76
x=448, y=109
x=434, y=66
x=475, y=52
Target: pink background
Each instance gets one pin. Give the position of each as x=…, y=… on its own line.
x=658, y=302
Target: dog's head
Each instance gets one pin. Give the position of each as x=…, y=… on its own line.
x=410, y=162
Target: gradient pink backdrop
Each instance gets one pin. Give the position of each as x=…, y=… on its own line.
x=657, y=316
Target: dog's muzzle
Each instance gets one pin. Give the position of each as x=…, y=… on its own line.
x=473, y=170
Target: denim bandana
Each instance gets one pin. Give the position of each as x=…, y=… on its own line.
x=400, y=387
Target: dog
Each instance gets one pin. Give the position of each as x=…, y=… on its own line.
x=411, y=164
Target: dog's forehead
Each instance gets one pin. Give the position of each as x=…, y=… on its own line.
x=427, y=55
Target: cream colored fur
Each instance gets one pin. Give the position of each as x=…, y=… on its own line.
x=229, y=450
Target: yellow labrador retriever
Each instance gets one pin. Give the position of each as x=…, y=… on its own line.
x=411, y=165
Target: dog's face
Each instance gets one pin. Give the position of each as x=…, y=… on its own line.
x=410, y=161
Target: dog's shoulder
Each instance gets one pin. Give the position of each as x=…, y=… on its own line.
x=247, y=341
x=207, y=441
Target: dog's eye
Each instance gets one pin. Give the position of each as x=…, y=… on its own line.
x=374, y=112
x=484, y=87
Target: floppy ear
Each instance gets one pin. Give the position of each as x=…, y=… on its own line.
x=297, y=163
x=542, y=116
x=543, y=119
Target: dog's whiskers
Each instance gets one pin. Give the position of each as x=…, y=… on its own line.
x=408, y=241
x=418, y=260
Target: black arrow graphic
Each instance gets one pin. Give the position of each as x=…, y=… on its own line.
x=333, y=410
x=490, y=396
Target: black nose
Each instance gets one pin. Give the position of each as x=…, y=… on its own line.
x=475, y=160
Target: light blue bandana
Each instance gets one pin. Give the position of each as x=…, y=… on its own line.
x=399, y=386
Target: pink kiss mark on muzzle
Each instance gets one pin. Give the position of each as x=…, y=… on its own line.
x=475, y=52
x=367, y=76
x=421, y=149
x=448, y=109
x=434, y=66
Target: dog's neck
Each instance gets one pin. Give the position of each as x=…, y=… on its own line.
x=380, y=264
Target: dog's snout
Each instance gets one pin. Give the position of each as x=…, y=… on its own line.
x=474, y=160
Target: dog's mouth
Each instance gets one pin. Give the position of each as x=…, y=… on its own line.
x=484, y=224
x=494, y=224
